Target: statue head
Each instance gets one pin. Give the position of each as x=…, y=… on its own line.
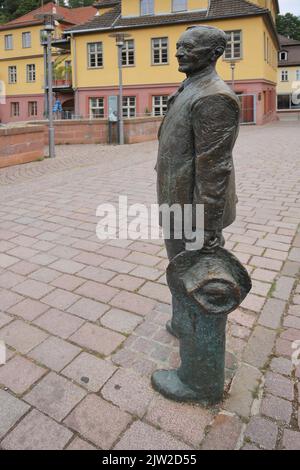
x=200, y=47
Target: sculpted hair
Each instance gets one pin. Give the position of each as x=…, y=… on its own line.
x=214, y=37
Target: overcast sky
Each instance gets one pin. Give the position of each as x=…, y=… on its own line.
x=292, y=6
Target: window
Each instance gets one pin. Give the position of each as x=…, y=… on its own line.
x=160, y=51
x=284, y=75
x=95, y=55
x=12, y=74
x=234, y=45
x=283, y=55
x=8, y=42
x=179, y=5
x=147, y=7
x=14, y=109
x=26, y=39
x=32, y=108
x=30, y=73
x=96, y=108
x=159, y=105
x=128, y=53
x=298, y=75
x=283, y=101
x=129, y=106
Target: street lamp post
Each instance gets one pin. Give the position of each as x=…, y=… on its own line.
x=49, y=26
x=232, y=66
x=120, y=38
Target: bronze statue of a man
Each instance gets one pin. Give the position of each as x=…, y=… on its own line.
x=196, y=139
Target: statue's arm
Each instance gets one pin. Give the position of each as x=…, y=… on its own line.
x=215, y=122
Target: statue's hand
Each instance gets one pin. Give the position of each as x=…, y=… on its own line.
x=211, y=241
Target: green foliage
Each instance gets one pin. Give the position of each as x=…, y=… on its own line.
x=80, y=3
x=289, y=25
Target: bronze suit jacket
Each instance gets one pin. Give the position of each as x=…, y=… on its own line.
x=196, y=139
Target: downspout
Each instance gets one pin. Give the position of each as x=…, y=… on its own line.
x=74, y=72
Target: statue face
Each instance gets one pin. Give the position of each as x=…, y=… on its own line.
x=194, y=52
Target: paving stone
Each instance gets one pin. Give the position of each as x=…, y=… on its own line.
x=19, y=374
x=92, y=259
x=88, y=309
x=281, y=365
x=97, y=291
x=242, y=390
x=28, y=309
x=262, y=431
x=223, y=434
x=55, y=353
x=294, y=254
x=98, y=339
x=142, y=258
x=146, y=272
x=272, y=313
x=260, y=288
x=89, y=371
x=290, y=334
x=67, y=282
x=291, y=440
x=55, y=396
x=264, y=275
x=80, y=444
x=129, y=391
x=98, y=421
x=276, y=408
x=280, y=386
x=185, y=421
x=4, y=319
x=259, y=346
x=133, y=302
x=45, y=275
x=126, y=282
x=156, y=291
x=60, y=299
x=11, y=410
x=97, y=274
x=283, y=347
x=291, y=268
x=33, y=289
x=265, y=263
x=244, y=319
x=141, y=436
x=120, y=320
x=44, y=259
x=9, y=279
x=37, y=432
x=7, y=260
x=24, y=268
x=8, y=299
x=59, y=323
x=21, y=336
x=292, y=322
x=67, y=266
x=294, y=310
x=120, y=266
x=253, y=302
x=283, y=288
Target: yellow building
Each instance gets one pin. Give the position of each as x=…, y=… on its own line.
x=288, y=87
x=149, y=65
x=150, y=70
x=22, y=71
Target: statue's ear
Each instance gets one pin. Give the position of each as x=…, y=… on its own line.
x=219, y=51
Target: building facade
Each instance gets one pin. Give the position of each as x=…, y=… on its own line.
x=149, y=67
x=288, y=89
x=22, y=63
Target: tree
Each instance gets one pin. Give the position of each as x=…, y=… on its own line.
x=289, y=25
x=80, y=3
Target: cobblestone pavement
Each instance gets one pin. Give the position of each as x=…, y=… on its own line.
x=84, y=320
